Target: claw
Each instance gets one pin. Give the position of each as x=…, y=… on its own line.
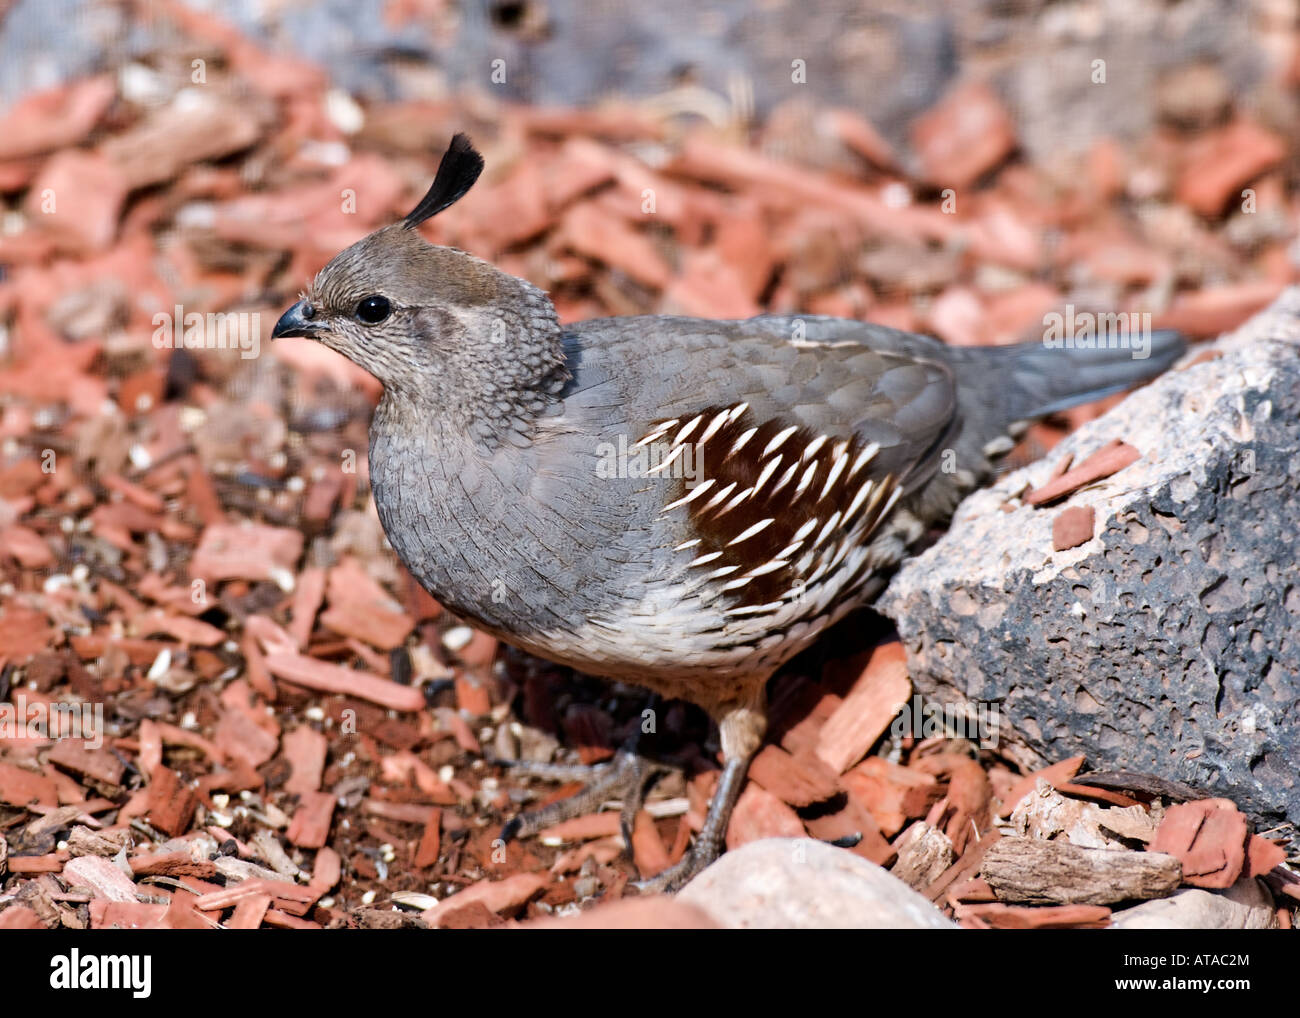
x=511, y=830
x=673, y=879
x=627, y=777
x=708, y=846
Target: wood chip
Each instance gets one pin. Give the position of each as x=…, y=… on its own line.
x=1108, y=460
x=583, y=828
x=760, y=814
x=1073, y=527
x=246, y=552
x=798, y=780
x=103, y=878
x=360, y=608
x=892, y=793
x=855, y=827
x=305, y=750
x=19, y=786
x=1263, y=856
x=249, y=912
x=648, y=851
x=430, y=846
x=867, y=711
x=1208, y=837
x=496, y=896
x=1053, y=775
x=307, y=671
x=924, y=853
x=171, y=801
x=1028, y=871
x=1054, y=917
x=308, y=596
x=310, y=826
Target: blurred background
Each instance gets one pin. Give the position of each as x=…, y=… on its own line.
x=954, y=168
x=169, y=516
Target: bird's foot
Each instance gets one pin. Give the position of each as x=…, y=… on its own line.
x=627, y=777
x=677, y=876
x=708, y=844
x=630, y=776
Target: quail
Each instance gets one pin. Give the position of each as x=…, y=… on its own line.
x=676, y=503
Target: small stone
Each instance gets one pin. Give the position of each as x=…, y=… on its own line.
x=799, y=883
x=1244, y=906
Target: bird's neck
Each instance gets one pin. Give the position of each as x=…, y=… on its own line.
x=504, y=375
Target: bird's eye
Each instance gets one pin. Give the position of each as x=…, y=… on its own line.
x=373, y=309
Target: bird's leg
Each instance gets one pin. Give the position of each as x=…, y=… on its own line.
x=742, y=731
x=628, y=777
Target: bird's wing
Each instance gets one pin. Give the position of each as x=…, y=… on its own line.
x=770, y=449
x=844, y=380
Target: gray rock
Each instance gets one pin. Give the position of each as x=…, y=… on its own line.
x=803, y=884
x=1243, y=906
x=1170, y=642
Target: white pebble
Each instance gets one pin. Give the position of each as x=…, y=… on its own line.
x=456, y=638
x=343, y=111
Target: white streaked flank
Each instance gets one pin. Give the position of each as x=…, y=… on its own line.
x=778, y=440
x=691, y=495
x=749, y=532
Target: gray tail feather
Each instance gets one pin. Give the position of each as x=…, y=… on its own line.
x=1041, y=380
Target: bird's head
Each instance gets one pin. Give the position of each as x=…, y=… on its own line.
x=433, y=324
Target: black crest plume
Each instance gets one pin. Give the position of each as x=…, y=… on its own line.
x=460, y=167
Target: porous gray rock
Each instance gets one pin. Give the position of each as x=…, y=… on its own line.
x=804, y=884
x=1170, y=642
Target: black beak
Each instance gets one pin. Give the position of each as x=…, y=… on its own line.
x=297, y=321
